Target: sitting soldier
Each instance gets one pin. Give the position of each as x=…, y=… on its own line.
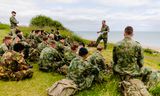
x=50, y=58
x=7, y=41
x=69, y=55
x=127, y=56
x=43, y=44
x=81, y=71
x=97, y=59
x=13, y=65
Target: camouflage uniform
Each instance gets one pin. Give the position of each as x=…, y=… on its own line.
x=50, y=59
x=42, y=45
x=150, y=77
x=127, y=57
x=69, y=56
x=104, y=36
x=37, y=40
x=81, y=72
x=13, y=23
x=34, y=54
x=13, y=67
x=97, y=59
x=4, y=48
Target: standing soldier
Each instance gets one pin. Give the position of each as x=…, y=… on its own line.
x=104, y=35
x=127, y=56
x=13, y=23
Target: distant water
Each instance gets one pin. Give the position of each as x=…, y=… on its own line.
x=150, y=39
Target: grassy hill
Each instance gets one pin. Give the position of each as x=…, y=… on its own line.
x=37, y=85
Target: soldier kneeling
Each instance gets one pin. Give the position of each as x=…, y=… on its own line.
x=13, y=65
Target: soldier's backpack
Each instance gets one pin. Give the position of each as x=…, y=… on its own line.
x=134, y=87
x=63, y=87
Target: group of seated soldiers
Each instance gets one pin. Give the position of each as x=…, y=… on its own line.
x=53, y=53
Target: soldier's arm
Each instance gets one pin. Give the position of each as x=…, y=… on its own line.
x=140, y=57
x=114, y=56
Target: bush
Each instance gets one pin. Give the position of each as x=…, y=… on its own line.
x=150, y=51
x=44, y=21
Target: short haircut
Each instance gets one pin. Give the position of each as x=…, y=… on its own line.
x=129, y=30
x=81, y=43
x=103, y=20
x=42, y=31
x=7, y=38
x=36, y=31
x=13, y=12
x=18, y=47
x=52, y=42
x=45, y=38
x=74, y=46
x=18, y=31
x=62, y=38
x=83, y=51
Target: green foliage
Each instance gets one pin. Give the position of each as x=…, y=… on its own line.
x=4, y=26
x=150, y=51
x=43, y=21
x=155, y=91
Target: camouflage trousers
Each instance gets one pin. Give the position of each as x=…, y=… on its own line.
x=105, y=40
x=49, y=66
x=13, y=30
x=16, y=76
x=86, y=83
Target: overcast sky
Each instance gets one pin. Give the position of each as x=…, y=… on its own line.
x=86, y=15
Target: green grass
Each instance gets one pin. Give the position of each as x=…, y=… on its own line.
x=37, y=85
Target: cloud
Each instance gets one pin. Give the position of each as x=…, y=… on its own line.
x=80, y=14
x=123, y=2
x=62, y=1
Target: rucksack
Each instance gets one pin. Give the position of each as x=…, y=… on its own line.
x=62, y=87
x=134, y=87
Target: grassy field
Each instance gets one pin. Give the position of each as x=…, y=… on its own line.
x=37, y=85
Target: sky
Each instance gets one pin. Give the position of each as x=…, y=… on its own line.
x=86, y=15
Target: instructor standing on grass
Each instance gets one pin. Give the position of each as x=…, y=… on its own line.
x=104, y=34
x=13, y=23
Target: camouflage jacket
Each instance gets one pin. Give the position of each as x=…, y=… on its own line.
x=69, y=56
x=3, y=48
x=127, y=57
x=13, y=61
x=13, y=22
x=42, y=45
x=50, y=54
x=97, y=59
x=78, y=70
x=104, y=31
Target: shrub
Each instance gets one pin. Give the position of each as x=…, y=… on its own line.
x=150, y=51
x=44, y=21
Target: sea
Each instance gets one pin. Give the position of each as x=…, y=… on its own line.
x=146, y=38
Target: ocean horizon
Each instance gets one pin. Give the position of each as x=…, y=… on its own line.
x=145, y=38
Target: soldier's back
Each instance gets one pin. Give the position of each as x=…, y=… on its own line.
x=127, y=53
